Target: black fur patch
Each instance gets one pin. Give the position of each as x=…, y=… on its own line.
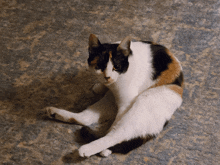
x=127, y=146
x=102, y=56
x=179, y=80
x=160, y=61
x=148, y=42
x=120, y=61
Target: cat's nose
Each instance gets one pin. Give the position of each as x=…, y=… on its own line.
x=107, y=78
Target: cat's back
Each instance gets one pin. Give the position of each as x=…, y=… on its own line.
x=156, y=65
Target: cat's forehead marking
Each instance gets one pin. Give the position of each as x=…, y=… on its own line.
x=110, y=54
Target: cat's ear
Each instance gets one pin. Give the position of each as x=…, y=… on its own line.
x=93, y=41
x=124, y=46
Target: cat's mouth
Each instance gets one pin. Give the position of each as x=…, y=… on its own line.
x=109, y=82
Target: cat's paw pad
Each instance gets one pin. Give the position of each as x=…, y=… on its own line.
x=85, y=151
x=106, y=153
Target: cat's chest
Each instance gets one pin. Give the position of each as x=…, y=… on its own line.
x=139, y=74
x=133, y=82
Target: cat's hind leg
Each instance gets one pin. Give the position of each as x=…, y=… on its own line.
x=98, y=112
x=102, y=145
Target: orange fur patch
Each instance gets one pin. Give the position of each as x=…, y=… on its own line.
x=110, y=54
x=93, y=63
x=72, y=120
x=168, y=76
x=176, y=89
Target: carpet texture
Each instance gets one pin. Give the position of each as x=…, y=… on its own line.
x=43, y=62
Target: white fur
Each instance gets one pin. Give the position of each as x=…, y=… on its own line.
x=110, y=73
x=141, y=111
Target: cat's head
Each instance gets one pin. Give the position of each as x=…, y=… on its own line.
x=108, y=61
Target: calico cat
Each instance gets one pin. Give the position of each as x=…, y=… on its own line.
x=145, y=83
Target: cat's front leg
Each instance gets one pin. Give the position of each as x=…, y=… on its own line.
x=58, y=114
x=66, y=116
x=102, y=110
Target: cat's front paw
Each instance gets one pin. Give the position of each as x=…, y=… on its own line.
x=85, y=151
x=53, y=113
